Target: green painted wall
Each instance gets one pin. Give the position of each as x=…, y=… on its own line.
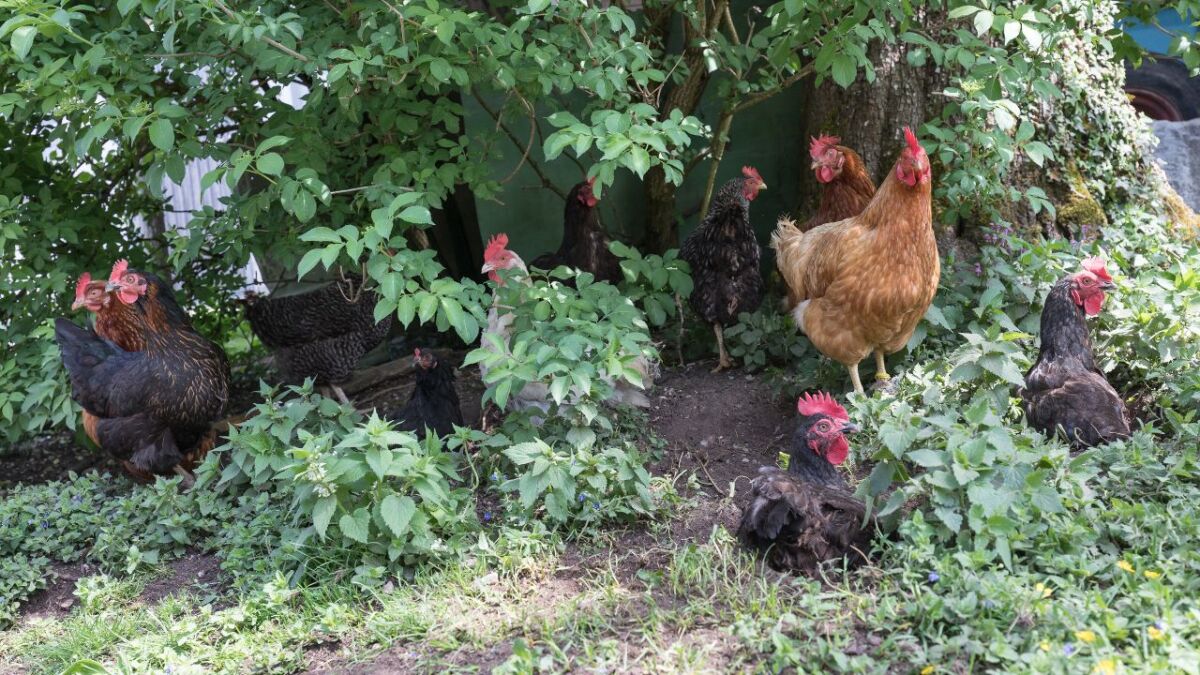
x=768, y=137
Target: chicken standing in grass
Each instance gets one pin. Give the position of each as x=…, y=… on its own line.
x=1065, y=392
x=860, y=285
x=724, y=256
x=808, y=515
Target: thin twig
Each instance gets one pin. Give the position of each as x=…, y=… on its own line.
x=528, y=146
x=274, y=43
x=546, y=183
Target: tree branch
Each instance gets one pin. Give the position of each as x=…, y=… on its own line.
x=274, y=43
x=546, y=183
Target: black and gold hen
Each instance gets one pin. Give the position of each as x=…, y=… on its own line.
x=154, y=409
x=808, y=515
x=724, y=256
x=1065, y=392
x=320, y=333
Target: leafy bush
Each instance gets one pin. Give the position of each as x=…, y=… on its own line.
x=380, y=494
x=656, y=284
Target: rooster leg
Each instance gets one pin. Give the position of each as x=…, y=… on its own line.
x=858, y=388
x=724, y=361
x=881, y=373
x=341, y=395
x=188, y=479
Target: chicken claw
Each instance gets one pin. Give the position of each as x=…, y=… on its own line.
x=188, y=479
x=723, y=362
x=881, y=374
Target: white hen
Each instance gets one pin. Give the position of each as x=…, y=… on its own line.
x=537, y=394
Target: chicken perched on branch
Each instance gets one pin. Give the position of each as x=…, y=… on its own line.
x=433, y=404
x=154, y=409
x=808, y=515
x=536, y=394
x=320, y=333
x=1065, y=392
x=724, y=257
x=862, y=284
x=584, y=245
x=846, y=189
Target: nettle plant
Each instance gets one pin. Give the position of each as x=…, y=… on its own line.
x=389, y=499
x=657, y=284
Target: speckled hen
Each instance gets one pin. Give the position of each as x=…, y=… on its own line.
x=724, y=256
x=1065, y=392
x=321, y=333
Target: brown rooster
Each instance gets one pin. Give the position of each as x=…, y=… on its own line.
x=1065, y=390
x=584, y=245
x=860, y=285
x=808, y=515
x=846, y=189
x=155, y=408
x=724, y=255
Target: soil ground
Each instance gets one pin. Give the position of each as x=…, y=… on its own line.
x=719, y=427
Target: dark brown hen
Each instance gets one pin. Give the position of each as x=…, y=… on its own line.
x=808, y=515
x=584, y=245
x=724, y=256
x=1064, y=390
x=321, y=333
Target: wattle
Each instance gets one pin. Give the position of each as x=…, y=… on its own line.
x=1093, y=304
x=824, y=174
x=838, y=451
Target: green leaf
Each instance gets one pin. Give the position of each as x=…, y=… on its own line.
x=126, y=6
x=309, y=261
x=983, y=21
x=440, y=69
x=304, y=206
x=270, y=164
x=416, y=214
x=926, y=458
x=1011, y=28
x=960, y=12
x=639, y=160
x=843, y=70
x=86, y=667
x=162, y=134
x=357, y=526
x=321, y=234
x=323, y=513
x=273, y=142
x=397, y=512
x=21, y=40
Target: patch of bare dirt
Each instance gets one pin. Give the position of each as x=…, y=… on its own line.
x=56, y=600
x=191, y=572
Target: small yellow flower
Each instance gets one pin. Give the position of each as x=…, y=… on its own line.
x=1155, y=633
x=1085, y=636
x=1045, y=645
x=1151, y=574
x=1043, y=590
x=927, y=670
x=1106, y=667
x=1124, y=564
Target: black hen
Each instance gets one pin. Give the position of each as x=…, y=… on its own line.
x=724, y=256
x=1065, y=391
x=321, y=333
x=808, y=515
x=584, y=245
x=434, y=401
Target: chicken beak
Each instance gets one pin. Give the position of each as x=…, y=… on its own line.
x=112, y=286
x=77, y=304
x=815, y=165
x=487, y=267
x=762, y=186
x=850, y=428
x=1107, y=286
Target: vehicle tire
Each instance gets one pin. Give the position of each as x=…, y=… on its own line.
x=1162, y=90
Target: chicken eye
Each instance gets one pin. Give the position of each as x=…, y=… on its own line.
x=1087, y=281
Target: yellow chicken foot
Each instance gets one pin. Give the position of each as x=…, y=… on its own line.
x=858, y=388
x=188, y=479
x=724, y=362
x=881, y=374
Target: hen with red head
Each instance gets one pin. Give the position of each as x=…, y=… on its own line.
x=846, y=188
x=808, y=515
x=584, y=244
x=1065, y=391
x=724, y=256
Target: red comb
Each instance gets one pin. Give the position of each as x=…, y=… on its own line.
x=821, y=404
x=821, y=144
x=751, y=172
x=1095, y=265
x=417, y=352
x=911, y=139
x=495, y=245
x=118, y=270
x=82, y=284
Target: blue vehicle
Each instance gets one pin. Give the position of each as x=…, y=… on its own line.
x=1162, y=88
